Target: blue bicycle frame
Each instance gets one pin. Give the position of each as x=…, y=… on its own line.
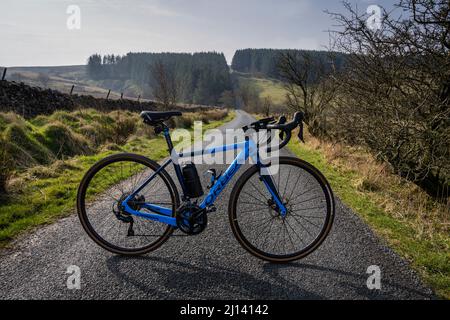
x=164, y=215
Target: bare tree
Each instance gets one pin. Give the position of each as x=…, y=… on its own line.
x=394, y=95
x=307, y=79
x=164, y=88
x=267, y=106
x=228, y=99
x=249, y=95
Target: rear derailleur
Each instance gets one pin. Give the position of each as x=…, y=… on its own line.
x=125, y=217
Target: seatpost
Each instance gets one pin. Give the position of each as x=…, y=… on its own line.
x=166, y=133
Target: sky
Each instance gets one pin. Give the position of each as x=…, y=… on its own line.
x=35, y=32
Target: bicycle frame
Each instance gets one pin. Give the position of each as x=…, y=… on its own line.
x=164, y=215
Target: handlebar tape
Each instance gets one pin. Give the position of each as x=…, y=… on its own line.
x=285, y=128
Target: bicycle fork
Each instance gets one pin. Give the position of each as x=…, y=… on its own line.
x=270, y=185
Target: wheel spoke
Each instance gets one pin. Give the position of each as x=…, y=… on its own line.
x=287, y=181
x=295, y=187
x=259, y=191
x=306, y=219
x=252, y=196
x=301, y=238
x=254, y=204
x=303, y=227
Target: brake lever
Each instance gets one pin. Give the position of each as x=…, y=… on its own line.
x=300, y=132
x=282, y=120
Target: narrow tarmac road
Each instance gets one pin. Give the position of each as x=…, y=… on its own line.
x=209, y=266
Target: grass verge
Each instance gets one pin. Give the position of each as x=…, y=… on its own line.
x=45, y=193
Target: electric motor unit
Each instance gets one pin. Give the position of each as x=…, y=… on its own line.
x=192, y=181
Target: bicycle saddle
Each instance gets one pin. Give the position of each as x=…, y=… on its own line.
x=153, y=117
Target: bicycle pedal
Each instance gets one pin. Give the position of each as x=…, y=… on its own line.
x=212, y=209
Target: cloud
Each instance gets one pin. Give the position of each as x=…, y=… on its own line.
x=158, y=10
x=150, y=7
x=120, y=26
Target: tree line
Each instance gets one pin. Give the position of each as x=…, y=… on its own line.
x=199, y=78
x=265, y=62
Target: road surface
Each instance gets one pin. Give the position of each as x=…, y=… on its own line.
x=209, y=266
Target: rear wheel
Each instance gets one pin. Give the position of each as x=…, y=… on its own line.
x=263, y=231
x=101, y=192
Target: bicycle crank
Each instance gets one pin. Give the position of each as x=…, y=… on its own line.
x=191, y=219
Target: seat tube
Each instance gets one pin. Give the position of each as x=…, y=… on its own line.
x=176, y=166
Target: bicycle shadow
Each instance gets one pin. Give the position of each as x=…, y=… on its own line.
x=350, y=281
x=162, y=278
x=184, y=280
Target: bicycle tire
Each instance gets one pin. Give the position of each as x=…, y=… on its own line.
x=81, y=203
x=250, y=247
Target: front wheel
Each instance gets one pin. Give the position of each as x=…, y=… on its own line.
x=267, y=234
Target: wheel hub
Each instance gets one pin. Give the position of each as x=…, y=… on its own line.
x=275, y=211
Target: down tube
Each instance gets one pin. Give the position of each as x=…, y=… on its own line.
x=218, y=187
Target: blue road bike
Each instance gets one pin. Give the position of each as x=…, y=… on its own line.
x=130, y=205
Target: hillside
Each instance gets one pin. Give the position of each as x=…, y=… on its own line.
x=199, y=78
x=266, y=87
x=62, y=78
